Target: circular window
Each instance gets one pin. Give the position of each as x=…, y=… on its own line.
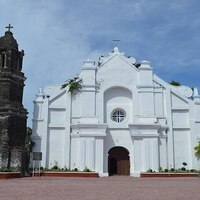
x=118, y=116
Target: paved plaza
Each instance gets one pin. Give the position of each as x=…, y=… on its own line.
x=111, y=188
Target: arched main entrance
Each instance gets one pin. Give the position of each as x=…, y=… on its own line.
x=118, y=161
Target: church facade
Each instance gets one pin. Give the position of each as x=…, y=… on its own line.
x=123, y=120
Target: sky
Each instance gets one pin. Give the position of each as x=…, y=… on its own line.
x=58, y=35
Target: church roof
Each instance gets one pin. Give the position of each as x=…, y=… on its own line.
x=8, y=41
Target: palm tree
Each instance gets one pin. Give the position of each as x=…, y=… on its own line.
x=197, y=152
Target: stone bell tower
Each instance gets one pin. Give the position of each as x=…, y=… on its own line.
x=13, y=116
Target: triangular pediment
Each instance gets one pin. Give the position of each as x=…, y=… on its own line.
x=117, y=69
x=114, y=56
x=117, y=59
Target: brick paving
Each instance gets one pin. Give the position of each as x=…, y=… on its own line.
x=111, y=188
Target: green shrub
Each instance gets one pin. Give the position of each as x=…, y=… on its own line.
x=86, y=170
x=66, y=169
x=55, y=167
x=166, y=170
x=184, y=164
x=6, y=170
x=183, y=169
x=11, y=169
x=150, y=170
x=137, y=65
x=160, y=169
x=172, y=169
x=175, y=83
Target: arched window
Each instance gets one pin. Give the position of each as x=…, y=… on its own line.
x=2, y=60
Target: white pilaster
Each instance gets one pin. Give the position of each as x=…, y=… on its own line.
x=90, y=154
x=170, y=137
x=146, y=73
x=82, y=154
x=99, y=151
x=67, y=143
x=88, y=76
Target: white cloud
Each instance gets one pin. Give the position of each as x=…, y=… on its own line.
x=57, y=35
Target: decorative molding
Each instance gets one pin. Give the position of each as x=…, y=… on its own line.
x=58, y=107
x=61, y=125
x=145, y=135
x=37, y=120
x=180, y=108
x=89, y=130
x=139, y=130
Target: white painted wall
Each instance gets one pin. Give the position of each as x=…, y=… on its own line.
x=161, y=125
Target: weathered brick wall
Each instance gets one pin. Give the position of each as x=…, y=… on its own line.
x=13, y=116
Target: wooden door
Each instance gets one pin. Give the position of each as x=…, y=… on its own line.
x=123, y=167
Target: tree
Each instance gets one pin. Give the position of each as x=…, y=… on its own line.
x=73, y=85
x=29, y=142
x=197, y=152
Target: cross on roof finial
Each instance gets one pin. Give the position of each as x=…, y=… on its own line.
x=115, y=42
x=9, y=27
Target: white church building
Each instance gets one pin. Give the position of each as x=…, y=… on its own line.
x=123, y=120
